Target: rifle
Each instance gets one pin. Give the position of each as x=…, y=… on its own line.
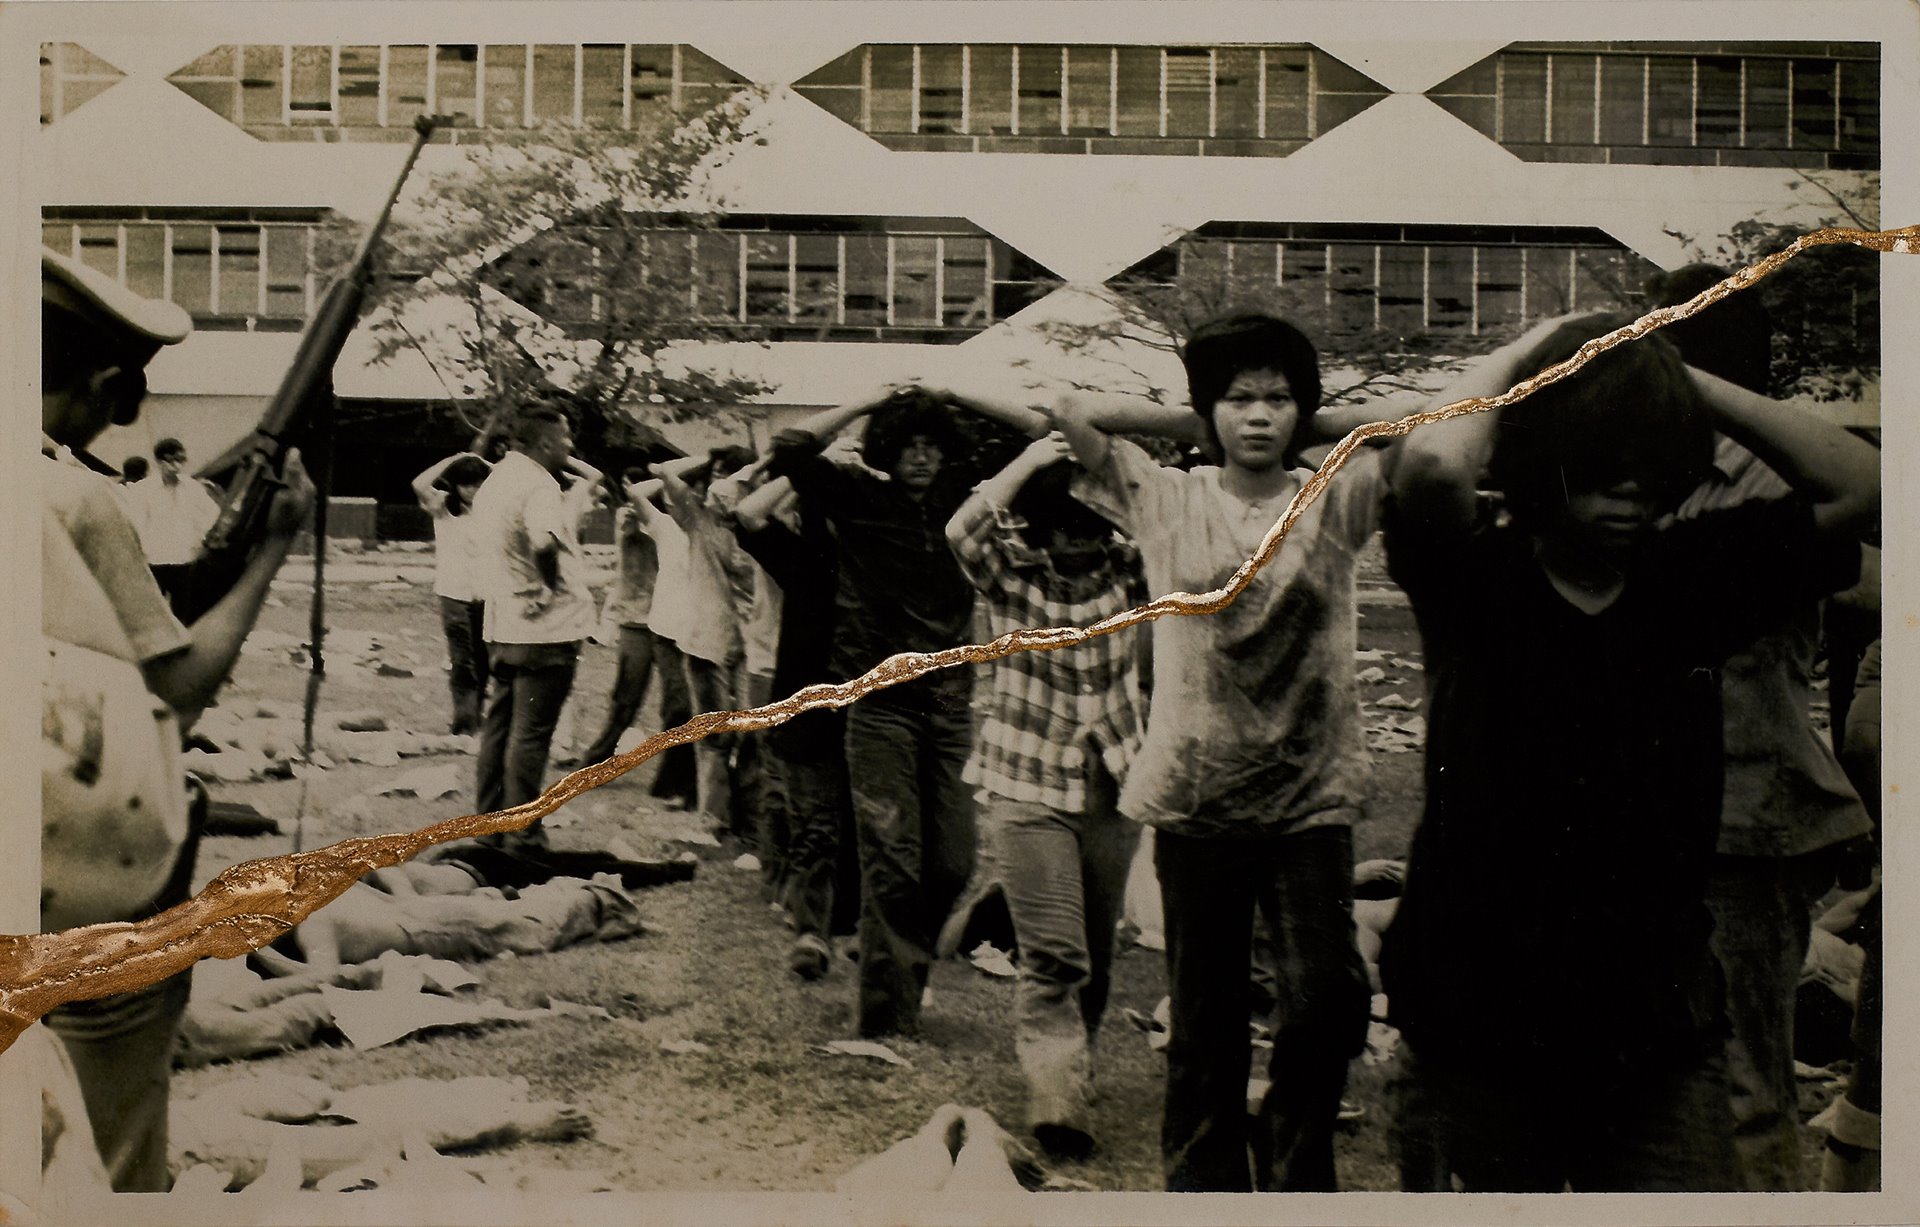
x=303, y=399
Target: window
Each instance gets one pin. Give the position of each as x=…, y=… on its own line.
x=70, y=76
x=1405, y=281
x=376, y=92
x=798, y=278
x=1091, y=98
x=245, y=269
x=1746, y=104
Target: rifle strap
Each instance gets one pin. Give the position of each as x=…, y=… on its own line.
x=321, y=470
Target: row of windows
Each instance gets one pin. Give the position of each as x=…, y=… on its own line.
x=788, y=278
x=70, y=77
x=252, y=270
x=1749, y=104
x=1404, y=280
x=1578, y=104
x=303, y=92
x=1091, y=98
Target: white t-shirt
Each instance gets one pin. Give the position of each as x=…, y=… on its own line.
x=519, y=512
x=674, y=613
x=456, y=567
x=171, y=520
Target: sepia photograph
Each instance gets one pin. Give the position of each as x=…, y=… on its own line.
x=443, y=401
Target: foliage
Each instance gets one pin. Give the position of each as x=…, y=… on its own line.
x=565, y=249
x=1825, y=303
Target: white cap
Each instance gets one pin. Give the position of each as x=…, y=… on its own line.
x=131, y=320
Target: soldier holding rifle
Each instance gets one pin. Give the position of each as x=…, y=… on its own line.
x=124, y=677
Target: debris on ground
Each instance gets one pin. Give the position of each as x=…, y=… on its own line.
x=862, y=1048
x=992, y=960
x=958, y=1150
x=683, y=1047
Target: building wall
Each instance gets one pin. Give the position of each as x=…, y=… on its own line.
x=228, y=140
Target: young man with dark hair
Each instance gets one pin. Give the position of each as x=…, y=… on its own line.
x=125, y=678
x=1575, y=811
x=1788, y=810
x=899, y=591
x=538, y=607
x=1060, y=730
x=1253, y=768
x=174, y=512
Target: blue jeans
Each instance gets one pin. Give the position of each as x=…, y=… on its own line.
x=715, y=687
x=1211, y=887
x=531, y=682
x=913, y=818
x=1065, y=875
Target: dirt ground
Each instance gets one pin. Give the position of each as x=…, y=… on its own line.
x=759, y=1109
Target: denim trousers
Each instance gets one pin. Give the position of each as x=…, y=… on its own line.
x=761, y=775
x=122, y=1052
x=676, y=777
x=823, y=876
x=1651, y=1129
x=466, y=660
x=715, y=687
x=631, y=675
x=913, y=819
x=1065, y=875
x=1762, y=917
x=1302, y=883
x=530, y=686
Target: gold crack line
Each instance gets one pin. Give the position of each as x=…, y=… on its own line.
x=249, y=904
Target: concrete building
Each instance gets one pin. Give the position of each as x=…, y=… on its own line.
x=934, y=188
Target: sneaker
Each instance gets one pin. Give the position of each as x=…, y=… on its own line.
x=1064, y=1141
x=810, y=957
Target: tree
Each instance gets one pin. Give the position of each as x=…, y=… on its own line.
x=1825, y=303
x=569, y=257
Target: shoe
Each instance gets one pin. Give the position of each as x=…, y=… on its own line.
x=1063, y=1141
x=810, y=957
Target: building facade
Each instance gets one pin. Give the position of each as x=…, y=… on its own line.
x=925, y=191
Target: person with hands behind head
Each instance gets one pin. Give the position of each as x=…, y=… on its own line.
x=1253, y=769
x=1060, y=729
x=899, y=591
x=123, y=679
x=538, y=608
x=1575, y=811
x=446, y=490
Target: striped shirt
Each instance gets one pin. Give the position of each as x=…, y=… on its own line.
x=1050, y=714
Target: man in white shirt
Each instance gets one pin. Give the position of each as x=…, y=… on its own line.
x=538, y=609
x=175, y=512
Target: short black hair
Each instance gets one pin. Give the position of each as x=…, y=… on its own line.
x=537, y=416
x=1046, y=502
x=169, y=446
x=465, y=471
x=1733, y=338
x=1221, y=350
x=134, y=468
x=728, y=458
x=1631, y=413
x=907, y=414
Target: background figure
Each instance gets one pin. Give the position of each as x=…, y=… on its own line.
x=794, y=548
x=538, y=609
x=446, y=489
x=673, y=617
x=1852, y=1162
x=899, y=590
x=1787, y=808
x=629, y=607
x=719, y=585
x=118, y=832
x=175, y=513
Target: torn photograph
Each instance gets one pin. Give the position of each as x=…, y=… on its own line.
x=1044, y=640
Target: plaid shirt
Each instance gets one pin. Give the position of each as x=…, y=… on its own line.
x=1046, y=712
